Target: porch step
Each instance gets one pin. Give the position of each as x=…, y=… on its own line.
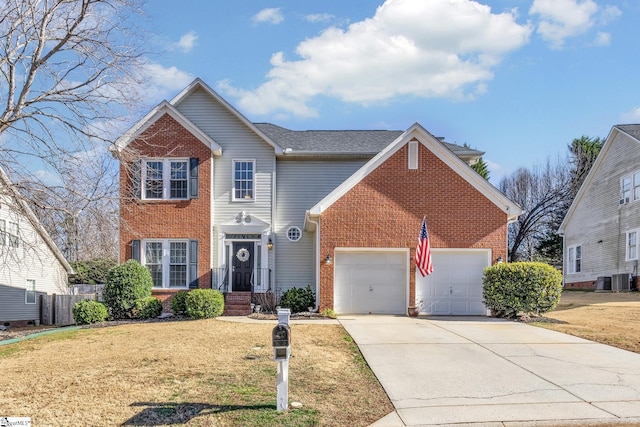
x=237, y=304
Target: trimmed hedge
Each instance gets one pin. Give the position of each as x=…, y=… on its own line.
x=521, y=287
x=179, y=302
x=298, y=299
x=204, y=303
x=148, y=308
x=89, y=311
x=126, y=283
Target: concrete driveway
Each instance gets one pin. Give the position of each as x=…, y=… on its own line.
x=485, y=371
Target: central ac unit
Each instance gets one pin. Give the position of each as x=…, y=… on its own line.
x=620, y=282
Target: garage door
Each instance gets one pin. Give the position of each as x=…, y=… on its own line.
x=370, y=282
x=455, y=286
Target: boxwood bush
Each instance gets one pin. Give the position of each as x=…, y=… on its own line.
x=521, y=287
x=89, y=311
x=126, y=283
x=204, y=303
x=298, y=299
x=148, y=308
x=179, y=302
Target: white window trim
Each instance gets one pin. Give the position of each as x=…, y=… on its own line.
x=634, y=185
x=166, y=178
x=413, y=155
x=3, y=232
x=299, y=230
x=166, y=260
x=233, y=181
x=13, y=234
x=28, y=290
x=626, y=244
x=571, y=262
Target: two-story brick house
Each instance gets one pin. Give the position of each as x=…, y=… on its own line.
x=210, y=199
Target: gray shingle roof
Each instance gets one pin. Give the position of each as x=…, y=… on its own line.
x=633, y=130
x=369, y=142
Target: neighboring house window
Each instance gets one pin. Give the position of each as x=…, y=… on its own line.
x=636, y=186
x=165, y=179
x=13, y=233
x=243, y=179
x=3, y=232
x=294, y=234
x=574, y=262
x=168, y=262
x=625, y=189
x=632, y=245
x=30, y=294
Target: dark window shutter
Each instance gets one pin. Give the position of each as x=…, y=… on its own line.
x=135, y=250
x=193, y=177
x=193, y=264
x=136, y=179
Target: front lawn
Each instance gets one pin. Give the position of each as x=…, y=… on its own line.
x=197, y=373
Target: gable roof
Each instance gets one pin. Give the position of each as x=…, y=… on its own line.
x=347, y=142
x=33, y=220
x=440, y=150
x=153, y=116
x=632, y=131
x=199, y=84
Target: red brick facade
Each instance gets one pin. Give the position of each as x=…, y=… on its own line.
x=385, y=210
x=184, y=219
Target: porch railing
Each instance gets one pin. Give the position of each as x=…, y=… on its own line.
x=220, y=279
x=260, y=279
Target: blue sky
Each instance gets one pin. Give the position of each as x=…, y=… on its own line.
x=518, y=79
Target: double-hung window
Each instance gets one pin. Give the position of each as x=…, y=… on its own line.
x=632, y=245
x=30, y=292
x=243, y=180
x=168, y=262
x=574, y=259
x=625, y=190
x=165, y=179
x=3, y=232
x=13, y=234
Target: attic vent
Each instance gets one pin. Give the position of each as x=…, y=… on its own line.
x=413, y=154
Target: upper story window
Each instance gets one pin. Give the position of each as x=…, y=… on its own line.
x=574, y=259
x=168, y=179
x=625, y=189
x=244, y=180
x=9, y=234
x=632, y=245
x=3, y=232
x=294, y=234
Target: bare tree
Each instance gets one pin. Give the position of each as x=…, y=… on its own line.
x=68, y=85
x=542, y=192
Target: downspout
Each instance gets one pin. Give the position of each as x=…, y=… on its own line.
x=317, y=261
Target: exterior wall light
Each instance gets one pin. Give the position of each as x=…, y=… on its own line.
x=328, y=260
x=270, y=244
x=499, y=260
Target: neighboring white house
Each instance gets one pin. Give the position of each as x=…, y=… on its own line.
x=30, y=262
x=602, y=227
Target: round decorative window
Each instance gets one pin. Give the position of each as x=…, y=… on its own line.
x=294, y=234
x=243, y=255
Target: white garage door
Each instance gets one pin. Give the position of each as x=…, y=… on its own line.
x=455, y=286
x=370, y=282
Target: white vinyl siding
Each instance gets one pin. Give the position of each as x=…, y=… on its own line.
x=574, y=259
x=165, y=179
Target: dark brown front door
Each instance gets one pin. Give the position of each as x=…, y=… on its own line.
x=242, y=266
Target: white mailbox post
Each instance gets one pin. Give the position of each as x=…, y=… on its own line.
x=281, y=340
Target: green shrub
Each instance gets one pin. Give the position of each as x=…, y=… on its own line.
x=298, y=299
x=328, y=312
x=179, y=302
x=148, y=308
x=521, y=287
x=126, y=283
x=204, y=303
x=91, y=272
x=89, y=311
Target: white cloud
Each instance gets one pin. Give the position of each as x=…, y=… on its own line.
x=270, y=16
x=602, y=39
x=186, y=42
x=440, y=48
x=609, y=13
x=319, y=17
x=560, y=19
x=162, y=81
x=632, y=116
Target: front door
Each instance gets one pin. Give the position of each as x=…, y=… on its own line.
x=242, y=266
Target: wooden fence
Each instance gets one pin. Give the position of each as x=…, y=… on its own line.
x=58, y=309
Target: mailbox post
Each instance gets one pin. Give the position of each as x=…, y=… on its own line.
x=281, y=341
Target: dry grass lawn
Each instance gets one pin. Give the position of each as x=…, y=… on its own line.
x=605, y=317
x=197, y=373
